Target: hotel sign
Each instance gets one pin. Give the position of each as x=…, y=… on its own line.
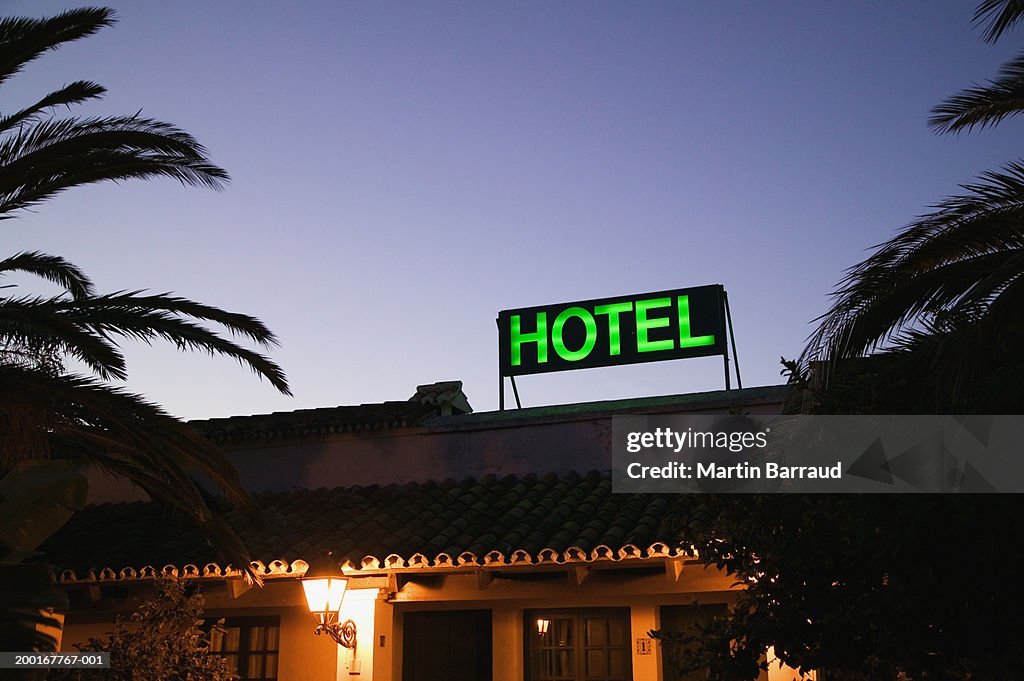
x=647, y=327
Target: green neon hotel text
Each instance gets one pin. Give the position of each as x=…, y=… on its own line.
x=613, y=310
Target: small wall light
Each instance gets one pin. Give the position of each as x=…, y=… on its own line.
x=324, y=584
x=542, y=625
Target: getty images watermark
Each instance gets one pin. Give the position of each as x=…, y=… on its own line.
x=759, y=454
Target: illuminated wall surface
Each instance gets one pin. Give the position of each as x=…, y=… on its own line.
x=645, y=327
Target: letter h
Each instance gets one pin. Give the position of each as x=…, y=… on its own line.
x=540, y=337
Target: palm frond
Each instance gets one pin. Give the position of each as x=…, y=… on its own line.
x=75, y=93
x=50, y=267
x=983, y=105
x=64, y=138
x=22, y=40
x=51, y=156
x=237, y=324
x=880, y=317
x=959, y=260
x=997, y=16
x=43, y=321
x=994, y=197
x=166, y=317
x=84, y=327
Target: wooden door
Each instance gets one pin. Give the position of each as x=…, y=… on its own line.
x=447, y=646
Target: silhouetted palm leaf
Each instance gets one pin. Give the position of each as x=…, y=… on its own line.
x=50, y=267
x=75, y=93
x=997, y=16
x=982, y=106
x=22, y=40
x=951, y=284
x=40, y=157
x=84, y=328
x=985, y=105
x=40, y=161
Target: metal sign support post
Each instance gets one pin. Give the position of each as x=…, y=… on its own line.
x=501, y=392
x=501, y=380
x=732, y=339
x=725, y=369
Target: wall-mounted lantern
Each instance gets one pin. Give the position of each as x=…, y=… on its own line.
x=324, y=584
x=542, y=625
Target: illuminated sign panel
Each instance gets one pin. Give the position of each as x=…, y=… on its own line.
x=648, y=327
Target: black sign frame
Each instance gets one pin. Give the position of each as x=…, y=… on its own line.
x=648, y=331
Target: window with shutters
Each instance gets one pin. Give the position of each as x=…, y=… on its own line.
x=578, y=645
x=249, y=644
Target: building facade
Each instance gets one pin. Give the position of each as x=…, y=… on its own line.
x=478, y=545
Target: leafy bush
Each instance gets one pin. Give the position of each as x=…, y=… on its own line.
x=163, y=640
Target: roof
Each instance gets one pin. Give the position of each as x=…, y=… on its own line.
x=307, y=422
x=486, y=522
x=444, y=405
x=436, y=399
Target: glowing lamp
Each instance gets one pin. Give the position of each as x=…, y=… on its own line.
x=324, y=584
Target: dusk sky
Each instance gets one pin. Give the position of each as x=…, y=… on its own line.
x=401, y=172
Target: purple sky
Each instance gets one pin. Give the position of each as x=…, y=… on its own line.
x=403, y=171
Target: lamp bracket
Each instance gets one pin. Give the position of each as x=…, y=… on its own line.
x=344, y=634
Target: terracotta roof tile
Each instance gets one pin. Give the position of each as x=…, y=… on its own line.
x=506, y=515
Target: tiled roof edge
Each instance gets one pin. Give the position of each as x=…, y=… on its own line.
x=372, y=564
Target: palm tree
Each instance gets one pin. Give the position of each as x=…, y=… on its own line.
x=48, y=414
x=946, y=295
